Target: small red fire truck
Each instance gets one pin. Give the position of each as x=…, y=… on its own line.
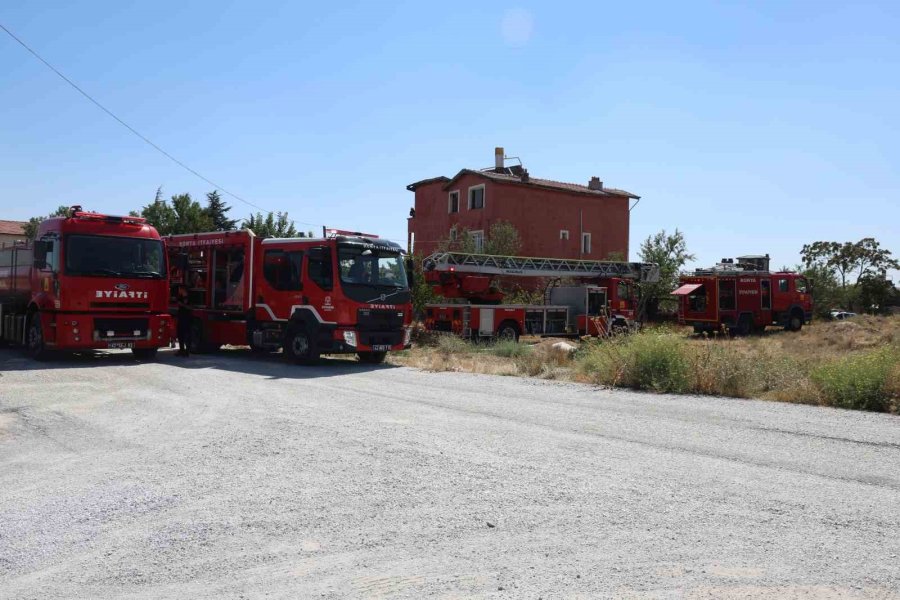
x=605, y=302
x=743, y=296
x=340, y=294
x=88, y=281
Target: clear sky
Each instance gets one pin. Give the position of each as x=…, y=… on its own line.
x=753, y=127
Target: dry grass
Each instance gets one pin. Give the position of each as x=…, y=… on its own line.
x=850, y=364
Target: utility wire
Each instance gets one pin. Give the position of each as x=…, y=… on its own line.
x=129, y=127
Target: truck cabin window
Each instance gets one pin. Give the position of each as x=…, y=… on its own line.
x=109, y=256
x=282, y=269
x=366, y=266
x=800, y=284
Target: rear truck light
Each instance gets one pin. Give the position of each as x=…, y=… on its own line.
x=74, y=323
x=350, y=338
x=407, y=335
x=77, y=339
x=75, y=330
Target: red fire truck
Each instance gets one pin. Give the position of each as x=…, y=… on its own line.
x=341, y=294
x=743, y=296
x=88, y=281
x=604, y=302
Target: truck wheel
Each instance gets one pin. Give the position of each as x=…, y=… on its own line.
x=508, y=332
x=198, y=344
x=299, y=346
x=371, y=358
x=795, y=322
x=35, y=342
x=144, y=353
x=745, y=325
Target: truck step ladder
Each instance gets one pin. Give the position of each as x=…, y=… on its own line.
x=467, y=322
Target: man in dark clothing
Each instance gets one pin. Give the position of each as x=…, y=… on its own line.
x=184, y=323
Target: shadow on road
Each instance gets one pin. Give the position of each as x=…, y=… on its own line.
x=239, y=360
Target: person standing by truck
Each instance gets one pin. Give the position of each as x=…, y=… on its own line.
x=184, y=323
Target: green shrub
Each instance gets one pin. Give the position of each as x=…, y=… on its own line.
x=861, y=381
x=509, y=349
x=647, y=361
x=449, y=343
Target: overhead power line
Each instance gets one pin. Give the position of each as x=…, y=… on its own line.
x=129, y=127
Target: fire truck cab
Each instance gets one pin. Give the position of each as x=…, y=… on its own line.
x=335, y=295
x=88, y=281
x=743, y=296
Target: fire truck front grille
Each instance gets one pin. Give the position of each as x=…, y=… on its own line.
x=369, y=319
x=120, y=329
x=379, y=327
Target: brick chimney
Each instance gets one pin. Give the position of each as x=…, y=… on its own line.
x=498, y=159
x=595, y=184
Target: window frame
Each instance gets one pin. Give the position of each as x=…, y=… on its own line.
x=478, y=240
x=289, y=256
x=585, y=235
x=450, y=195
x=564, y=235
x=470, y=203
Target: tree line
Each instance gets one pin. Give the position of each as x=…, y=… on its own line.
x=182, y=214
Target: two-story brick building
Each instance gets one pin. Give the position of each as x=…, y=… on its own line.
x=554, y=219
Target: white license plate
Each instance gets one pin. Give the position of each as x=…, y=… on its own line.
x=120, y=345
x=380, y=348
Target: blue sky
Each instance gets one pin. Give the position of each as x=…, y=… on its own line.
x=752, y=127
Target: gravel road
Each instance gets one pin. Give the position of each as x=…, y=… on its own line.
x=236, y=476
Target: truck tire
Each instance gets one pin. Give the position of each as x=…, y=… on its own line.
x=144, y=353
x=795, y=321
x=299, y=346
x=508, y=332
x=371, y=358
x=34, y=341
x=199, y=345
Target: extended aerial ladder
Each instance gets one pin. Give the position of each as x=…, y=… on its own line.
x=524, y=266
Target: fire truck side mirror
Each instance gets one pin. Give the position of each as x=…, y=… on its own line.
x=40, y=254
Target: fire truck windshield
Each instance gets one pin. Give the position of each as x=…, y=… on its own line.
x=368, y=267
x=109, y=256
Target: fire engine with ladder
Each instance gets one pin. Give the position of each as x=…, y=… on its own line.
x=88, y=281
x=604, y=301
x=742, y=296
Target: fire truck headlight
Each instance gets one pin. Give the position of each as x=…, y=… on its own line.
x=407, y=335
x=350, y=338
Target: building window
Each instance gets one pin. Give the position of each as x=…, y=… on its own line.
x=585, y=243
x=478, y=240
x=453, y=234
x=453, y=202
x=476, y=196
x=564, y=234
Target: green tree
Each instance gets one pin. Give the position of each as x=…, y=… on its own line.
x=669, y=251
x=31, y=228
x=825, y=288
x=273, y=225
x=865, y=260
x=179, y=215
x=422, y=293
x=502, y=240
x=217, y=211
